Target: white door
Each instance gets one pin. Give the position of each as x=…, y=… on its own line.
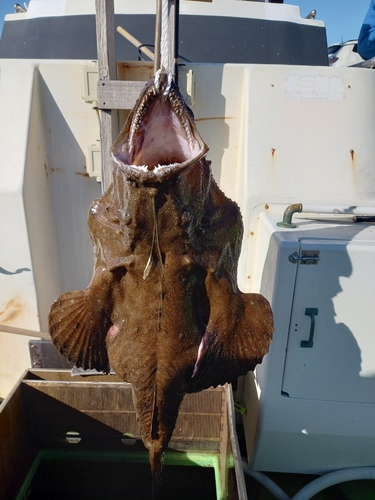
x=331, y=344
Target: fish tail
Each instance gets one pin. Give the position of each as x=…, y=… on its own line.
x=156, y=458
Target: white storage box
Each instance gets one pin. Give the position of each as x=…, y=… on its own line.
x=315, y=390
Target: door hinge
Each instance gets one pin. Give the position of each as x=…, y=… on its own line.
x=307, y=257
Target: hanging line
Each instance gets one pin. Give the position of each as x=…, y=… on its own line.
x=164, y=50
x=164, y=45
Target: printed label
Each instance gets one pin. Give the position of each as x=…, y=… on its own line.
x=313, y=88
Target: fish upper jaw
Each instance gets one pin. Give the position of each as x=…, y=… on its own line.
x=159, y=139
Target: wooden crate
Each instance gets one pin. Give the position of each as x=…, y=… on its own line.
x=52, y=415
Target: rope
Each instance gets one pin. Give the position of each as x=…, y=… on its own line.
x=164, y=46
x=164, y=50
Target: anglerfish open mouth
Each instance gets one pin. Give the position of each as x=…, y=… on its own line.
x=159, y=138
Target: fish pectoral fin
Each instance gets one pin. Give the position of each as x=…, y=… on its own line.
x=241, y=328
x=78, y=326
x=253, y=331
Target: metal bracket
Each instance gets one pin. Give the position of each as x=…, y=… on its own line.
x=307, y=257
x=43, y=354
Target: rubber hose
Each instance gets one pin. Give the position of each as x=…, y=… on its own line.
x=265, y=481
x=336, y=477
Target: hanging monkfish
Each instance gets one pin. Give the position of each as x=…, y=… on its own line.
x=163, y=308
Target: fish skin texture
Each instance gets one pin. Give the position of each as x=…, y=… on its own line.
x=166, y=254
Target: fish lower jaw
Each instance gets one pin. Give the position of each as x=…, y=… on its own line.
x=159, y=173
x=156, y=169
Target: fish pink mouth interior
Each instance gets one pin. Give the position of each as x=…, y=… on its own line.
x=161, y=139
x=159, y=136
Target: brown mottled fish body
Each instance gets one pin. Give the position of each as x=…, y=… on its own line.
x=163, y=307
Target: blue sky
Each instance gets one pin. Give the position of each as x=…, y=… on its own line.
x=343, y=18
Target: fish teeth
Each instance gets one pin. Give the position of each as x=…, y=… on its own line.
x=139, y=115
x=179, y=109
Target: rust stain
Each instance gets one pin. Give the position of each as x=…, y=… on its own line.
x=12, y=310
x=273, y=159
x=251, y=233
x=353, y=160
x=57, y=170
x=214, y=118
x=83, y=174
x=266, y=206
x=46, y=170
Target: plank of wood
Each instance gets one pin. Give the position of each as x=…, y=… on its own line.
x=56, y=375
x=115, y=94
x=224, y=448
x=240, y=479
x=157, y=36
x=171, y=34
x=105, y=33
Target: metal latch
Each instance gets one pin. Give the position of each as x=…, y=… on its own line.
x=307, y=257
